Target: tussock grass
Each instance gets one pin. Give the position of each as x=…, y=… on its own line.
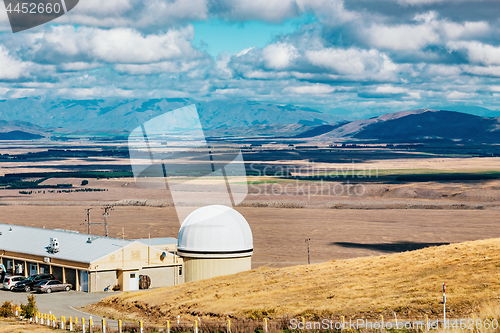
x=408, y=283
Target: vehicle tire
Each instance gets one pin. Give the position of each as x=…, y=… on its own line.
x=11, y=287
x=67, y=288
x=49, y=291
x=27, y=289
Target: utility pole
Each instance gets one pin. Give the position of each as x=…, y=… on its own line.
x=123, y=247
x=105, y=214
x=88, y=219
x=149, y=243
x=308, y=253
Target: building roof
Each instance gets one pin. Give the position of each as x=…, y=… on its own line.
x=73, y=246
x=215, y=229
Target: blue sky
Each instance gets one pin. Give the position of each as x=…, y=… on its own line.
x=353, y=58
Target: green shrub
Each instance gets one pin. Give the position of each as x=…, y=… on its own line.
x=29, y=309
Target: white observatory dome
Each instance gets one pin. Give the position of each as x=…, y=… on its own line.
x=215, y=231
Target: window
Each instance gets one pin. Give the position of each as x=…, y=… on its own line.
x=180, y=270
x=132, y=275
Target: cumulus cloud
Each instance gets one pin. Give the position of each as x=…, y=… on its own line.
x=315, y=89
x=478, y=52
x=279, y=56
x=394, y=53
x=118, y=45
x=10, y=67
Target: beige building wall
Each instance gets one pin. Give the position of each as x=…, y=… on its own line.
x=100, y=280
x=135, y=255
x=198, y=269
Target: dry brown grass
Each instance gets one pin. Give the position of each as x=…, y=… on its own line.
x=15, y=326
x=406, y=283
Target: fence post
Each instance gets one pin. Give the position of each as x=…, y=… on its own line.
x=426, y=322
x=195, y=326
x=70, y=323
x=342, y=323
x=90, y=324
x=103, y=323
x=381, y=323
x=63, y=323
x=76, y=323
x=142, y=326
x=265, y=325
x=229, y=326
x=36, y=318
x=83, y=325
x=119, y=326
x=167, y=327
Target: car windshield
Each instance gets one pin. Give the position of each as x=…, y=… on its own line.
x=41, y=283
x=31, y=278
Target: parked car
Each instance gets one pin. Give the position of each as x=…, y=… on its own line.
x=50, y=286
x=10, y=281
x=28, y=284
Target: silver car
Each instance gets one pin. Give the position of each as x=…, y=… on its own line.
x=10, y=281
x=50, y=286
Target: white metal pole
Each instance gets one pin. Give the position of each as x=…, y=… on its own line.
x=444, y=305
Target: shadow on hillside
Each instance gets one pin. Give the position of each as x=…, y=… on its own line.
x=388, y=247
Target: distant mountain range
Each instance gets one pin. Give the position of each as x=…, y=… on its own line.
x=419, y=126
x=118, y=116
x=31, y=118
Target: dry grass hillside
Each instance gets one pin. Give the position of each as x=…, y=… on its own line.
x=407, y=283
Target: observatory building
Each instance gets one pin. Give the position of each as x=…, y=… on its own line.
x=214, y=240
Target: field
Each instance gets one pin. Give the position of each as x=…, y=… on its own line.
x=350, y=202
x=279, y=233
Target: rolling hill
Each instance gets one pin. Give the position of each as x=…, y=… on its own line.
x=407, y=283
x=419, y=126
x=20, y=130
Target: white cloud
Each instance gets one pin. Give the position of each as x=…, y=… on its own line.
x=279, y=56
x=329, y=12
x=155, y=68
x=453, y=30
x=266, y=10
x=482, y=70
x=136, y=13
x=402, y=37
x=459, y=95
x=478, y=52
x=316, y=89
x=389, y=89
x=11, y=68
x=351, y=61
x=118, y=45
x=79, y=66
